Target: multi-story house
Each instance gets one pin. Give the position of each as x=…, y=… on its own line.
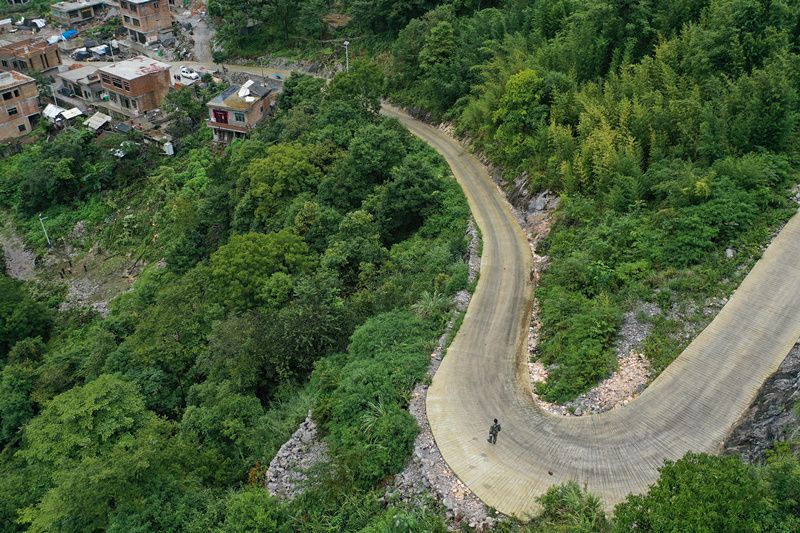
x=19, y=104
x=29, y=56
x=237, y=109
x=146, y=21
x=134, y=86
x=71, y=13
x=79, y=87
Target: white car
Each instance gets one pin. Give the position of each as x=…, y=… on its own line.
x=186, y=72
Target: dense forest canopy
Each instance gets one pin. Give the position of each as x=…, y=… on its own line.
x=291, y=267
x=310, y=266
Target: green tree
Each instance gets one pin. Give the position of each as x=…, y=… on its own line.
x=356, y=248
x=408, y=197
x=286, y=171
x=701, y=493
x=16, y=407
x=241, y=269
x=365, y=83
x=254, y=510
x=20, y=315
x=84, y=421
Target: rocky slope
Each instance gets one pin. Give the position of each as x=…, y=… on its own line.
x=773, y=416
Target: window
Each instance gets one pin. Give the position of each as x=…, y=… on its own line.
x=16, y=92
x=155, y=5
x=126, y=85
x=21, y=127
x=127, y=19
x=116, y=82
x=4, y=63
x=136, y=22
x=12, y=111
x=7, y=96
x=238, y=117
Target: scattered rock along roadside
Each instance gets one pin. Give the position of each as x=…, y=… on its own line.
x=427, y=474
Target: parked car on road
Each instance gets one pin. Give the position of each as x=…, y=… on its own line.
x=189, y=73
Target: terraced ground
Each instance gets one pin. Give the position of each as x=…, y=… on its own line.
x=691, y=406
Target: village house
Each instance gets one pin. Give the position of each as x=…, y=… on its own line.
x=146, y=21
x=134, y=86
x=71, y=13
x=79, y=87
x=238, y=109
x=19, y=105
x=30, y=55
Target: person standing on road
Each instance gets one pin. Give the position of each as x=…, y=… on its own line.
x=494, y=429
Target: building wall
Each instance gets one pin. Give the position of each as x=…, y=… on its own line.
x=148, y=91
x=75, y=16
x=252, y=116
x=18, y=111
x=37, y=59
x=149, y=20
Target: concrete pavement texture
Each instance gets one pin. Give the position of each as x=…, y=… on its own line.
x=691, y=406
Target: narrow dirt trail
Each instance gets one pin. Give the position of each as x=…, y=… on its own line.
x=691, y=406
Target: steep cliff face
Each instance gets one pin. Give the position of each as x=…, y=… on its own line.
x=773, y=416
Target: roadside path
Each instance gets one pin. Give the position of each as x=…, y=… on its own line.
x=691, y=406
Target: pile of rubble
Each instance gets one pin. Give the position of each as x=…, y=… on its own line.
x=289, y=469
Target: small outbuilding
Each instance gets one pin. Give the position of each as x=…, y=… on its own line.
x=97, y=122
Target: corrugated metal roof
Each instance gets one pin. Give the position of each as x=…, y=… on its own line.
x=97, y=121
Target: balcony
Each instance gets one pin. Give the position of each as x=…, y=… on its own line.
x=230, y=127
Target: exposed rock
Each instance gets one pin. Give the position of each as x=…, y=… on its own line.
x=772, y=417
x=474, y=259
x=289, y=469
x=79, y=230
x=618, y=389
x=19, y=261
x=730, y=253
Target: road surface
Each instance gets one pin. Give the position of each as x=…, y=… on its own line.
x=691, y=406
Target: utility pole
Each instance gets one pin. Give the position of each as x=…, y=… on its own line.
x=347, y=55
x=41, y=221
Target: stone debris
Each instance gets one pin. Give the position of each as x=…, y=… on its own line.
x=289, y=469
x=20, y=262
x=617, y=390
x=474, y=259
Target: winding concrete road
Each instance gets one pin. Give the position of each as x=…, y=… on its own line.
x=691, y=406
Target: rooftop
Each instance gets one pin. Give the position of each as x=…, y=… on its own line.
x=26, y=46
x=242, y=96
x=70, y=6
x=10, y=79
x=134, y=68
x=77, y=74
